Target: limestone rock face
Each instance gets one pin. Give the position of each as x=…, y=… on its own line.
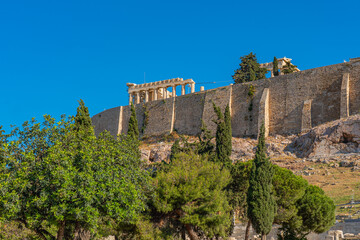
x=337, y=137
x=160, y=152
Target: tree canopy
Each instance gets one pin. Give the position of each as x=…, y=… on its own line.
x=60, y=176
x=249, y=70
x=191, y=190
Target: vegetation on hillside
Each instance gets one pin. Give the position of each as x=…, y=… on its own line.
x=59, y=181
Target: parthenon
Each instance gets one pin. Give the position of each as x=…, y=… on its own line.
x=157, y=90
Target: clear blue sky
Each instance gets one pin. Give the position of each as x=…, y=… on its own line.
x=52, y=53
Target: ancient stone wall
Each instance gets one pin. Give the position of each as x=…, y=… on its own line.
x=221, y=98
x=107, y=120
x=188, y=113
x=288, y=104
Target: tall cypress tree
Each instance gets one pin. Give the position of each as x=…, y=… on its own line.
x=133, y=129
x=82, y=118
x=261, y=201
x=227, y=119
x=275, y=67
x=222, y=138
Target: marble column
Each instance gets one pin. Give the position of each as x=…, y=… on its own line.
x=165, y=96
x=146, y=95
x=137, y=97
x=174, y=91
x=182, y=89
x=155, y=94
x=130, y=98
x=192, y=87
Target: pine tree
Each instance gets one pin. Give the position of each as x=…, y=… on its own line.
x=133, y=129
x=222, y=150
x=249, y=70
x=275, y=67
x=261, y=201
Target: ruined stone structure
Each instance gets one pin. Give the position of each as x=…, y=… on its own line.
x=281, y=63
x=286, y=104
x=157, y=90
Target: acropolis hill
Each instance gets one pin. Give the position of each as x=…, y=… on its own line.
x=287, y=104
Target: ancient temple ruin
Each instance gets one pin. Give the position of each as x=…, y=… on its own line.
x=281, y=64
x=157, y=90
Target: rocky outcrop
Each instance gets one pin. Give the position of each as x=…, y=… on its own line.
x=330, y=139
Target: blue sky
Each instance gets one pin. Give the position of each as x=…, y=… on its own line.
x=52, y=53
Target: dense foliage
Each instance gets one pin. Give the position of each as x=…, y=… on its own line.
x=58, y=179
x=249, y=70
x=191, y=190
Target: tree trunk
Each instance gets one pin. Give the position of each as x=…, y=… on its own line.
x=263, y=237
x=192, y=234
x=247, y=231
x=80, y=233
x=61, y=231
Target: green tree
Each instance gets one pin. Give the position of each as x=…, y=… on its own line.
x=261, y=201
x=289, y=68
x=59, y=179
x=315, y=212
x=275, y=67
x=133, y=129
x=227, y=119
x=289, y=188
x=238, y=187
x=191, y=190
x=205, y=146
x=249, y=70
x=223, y=136
x=82, y=119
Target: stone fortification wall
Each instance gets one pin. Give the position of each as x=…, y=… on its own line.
x=354, y=87
x=219, y=96
x=286, y=104
x=188, y=113
x=160, y=117
x=107, y=120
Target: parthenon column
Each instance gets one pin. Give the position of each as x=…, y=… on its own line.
x=130, y=98
x=146, y=95
x=192, y=87
x=174, y=91
x=137, y=97
x=155, y=94
x=165, y=96
x=182, y=89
